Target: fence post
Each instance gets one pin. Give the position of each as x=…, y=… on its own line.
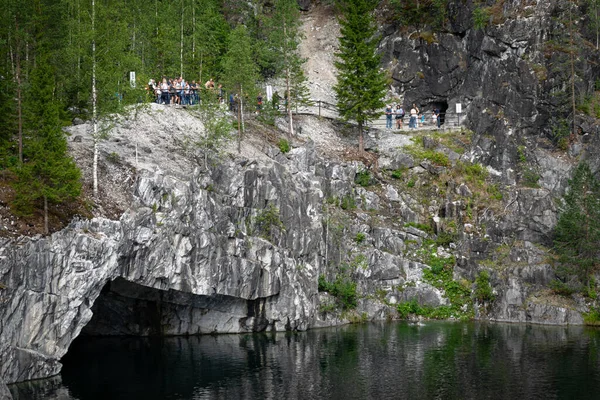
x=319, y=108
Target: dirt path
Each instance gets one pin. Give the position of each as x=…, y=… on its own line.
x=321, y=31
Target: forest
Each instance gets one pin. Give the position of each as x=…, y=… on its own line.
x=90, y=58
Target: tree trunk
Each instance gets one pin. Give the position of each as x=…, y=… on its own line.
x=181, y=43
x=94, y=106
x=289, y=110
x=572, y=51
x=46, y=230
x=361, y=138
x=193, y=34
x=19, y=92
x=239, y=138
x=242, y=106
x=288, y=83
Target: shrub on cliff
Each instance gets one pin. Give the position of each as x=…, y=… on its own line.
x=577, y=233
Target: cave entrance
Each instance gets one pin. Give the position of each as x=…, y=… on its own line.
x=125, y=308
x=442, y=106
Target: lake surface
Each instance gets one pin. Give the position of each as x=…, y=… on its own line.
x=438, y=360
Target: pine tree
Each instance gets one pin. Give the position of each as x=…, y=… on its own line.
x=216, y=131
x=361, y=85
x=577, y=233
x=284, y=41
x=48, y=173
x=420, y=13
x=240, y=72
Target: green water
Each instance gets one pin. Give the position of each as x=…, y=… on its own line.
x=438, y=360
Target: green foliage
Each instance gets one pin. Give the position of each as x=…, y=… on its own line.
x=560, y=134
x=363, y=178
x=445, y=238
x=439, y=275
x=411, y=183
x=268, y=222
x=475, y=173
x=348, y=202
x=240, y=71
x=360, y=237
x=361, y=85
x=521, y=154
x=420, y=153
x=593, y=317
x=398, y=173
x=421, y=227
x=217, y=127
x=494, y=192
x=284, y=146
x=113, y=158
x=530, y=178
x=412, y=307
x=481, y=17
x=483, y=289
x=407, y=308
x=343, y=288
x=420, y=14
x=577, y=233
x=360, y=261
x=48, y=172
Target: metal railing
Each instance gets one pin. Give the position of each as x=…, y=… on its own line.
x=325, y=109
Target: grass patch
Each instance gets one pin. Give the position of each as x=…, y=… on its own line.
x=360, y=237
x=284, y=146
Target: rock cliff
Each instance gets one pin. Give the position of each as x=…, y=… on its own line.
x=262, y=240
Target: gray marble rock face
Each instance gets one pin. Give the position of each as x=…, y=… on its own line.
x=240, y=247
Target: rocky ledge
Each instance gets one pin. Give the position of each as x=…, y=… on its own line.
x=244, y=242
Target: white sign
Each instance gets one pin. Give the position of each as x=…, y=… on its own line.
x=132, y=78
x=458, y=108
x=269, y=93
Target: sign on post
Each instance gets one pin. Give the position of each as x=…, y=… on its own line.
x=132, y=79
x=458, y=111
x=269, y=93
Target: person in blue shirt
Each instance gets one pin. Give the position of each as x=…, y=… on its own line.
x=388, y=116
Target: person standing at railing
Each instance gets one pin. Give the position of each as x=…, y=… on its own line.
x=414, y=112
x=231, y=102
x=164, y=90
x=388, y=117
x=399, y=116
x=437, y=118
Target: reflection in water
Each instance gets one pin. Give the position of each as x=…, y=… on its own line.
x=372, y=361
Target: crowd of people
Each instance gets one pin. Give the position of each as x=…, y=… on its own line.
x=176, y=91
x=416, y=117
x=179, y=91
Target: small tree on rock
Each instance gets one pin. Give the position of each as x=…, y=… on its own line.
x=361, y=85
x=577, y=233
x=240, y=72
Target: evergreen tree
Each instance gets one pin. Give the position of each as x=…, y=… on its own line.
x=284, y=41
x=577, y=233
x=48, y=174
x=209, y=39
x=240, y=72
x=216, y=131
x=593, y=15
x=361, y=85
x=420, y=13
